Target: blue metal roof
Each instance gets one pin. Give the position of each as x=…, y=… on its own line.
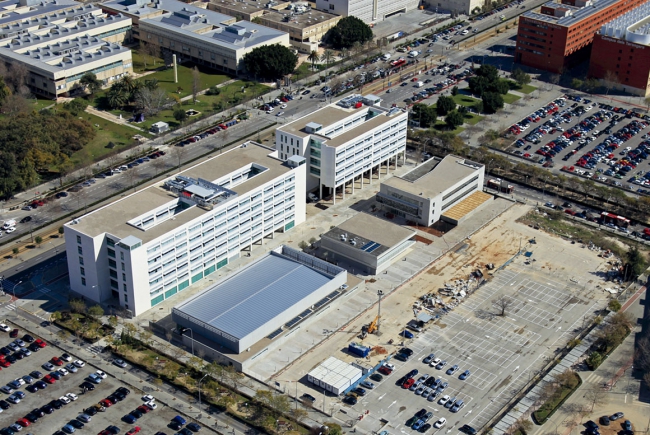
x=253, y=296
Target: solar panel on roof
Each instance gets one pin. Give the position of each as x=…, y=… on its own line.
x=367, y=245
x=274, y=334
x=305, y=313
x=373, y=247
x=293, y=322
x=334, y=294
x=320, y=303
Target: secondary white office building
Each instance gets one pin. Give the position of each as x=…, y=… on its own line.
x=449, y=188
x=343, y=142
x=148, y=246
x=369, y=11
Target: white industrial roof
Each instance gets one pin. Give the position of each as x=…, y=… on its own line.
x=336, y=373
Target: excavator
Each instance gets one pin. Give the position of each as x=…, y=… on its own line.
x=369, y=328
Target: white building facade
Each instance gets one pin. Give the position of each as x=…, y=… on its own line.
x=369, y=11
x=426, y=192
x=147, y=247
x=344, y=142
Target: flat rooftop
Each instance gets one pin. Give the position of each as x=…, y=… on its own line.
x=633, y=26
x=467, y=205
x=334, y=113
x=370, y=234
x=577, y=14
x=113, y=218
x=276, y=13
x=251, y=297
x=22, y=10
x=148, y=8
x=432, y=178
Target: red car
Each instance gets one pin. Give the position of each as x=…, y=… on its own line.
x=105, y=402
x=40, y=343
x=143, y=409
x=14, y=333
x=23, y=422
x=49, y=379
x=57, y=361
x=134, y=430
x=4, y=363
x=408, y=383
x=385, y=370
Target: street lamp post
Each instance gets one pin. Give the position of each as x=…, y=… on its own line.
x=13, y=291
x=380, y=293
x=192, y=336
x=201, y=380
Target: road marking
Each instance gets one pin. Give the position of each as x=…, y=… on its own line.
x=394, y=402
x=381, y=397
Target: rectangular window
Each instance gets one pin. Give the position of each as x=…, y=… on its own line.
x=82, y=270
x=81, y=261
x=79, y=239
x=111, y=253
x=80, y=251
x=83, y=281
x=124, y=277
x=112, y=264
x=123, y=268
x=124, y=287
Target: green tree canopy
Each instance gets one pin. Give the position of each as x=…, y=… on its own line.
x=424, y=114
x=492, y=101
x=445, y=105
x=490, y=72
x=270, y=62
x=520, y=77
x=348, y=31
x=180, y=115
x=635, y=264
x=454, y=119
x=91, y=83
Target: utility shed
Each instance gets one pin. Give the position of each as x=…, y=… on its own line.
x=334, y=375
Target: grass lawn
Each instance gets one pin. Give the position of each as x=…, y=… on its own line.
x=207, y=79
x=39, y=104
x=510, y=98
x=548, y=407
x=465, y=100
x=527, y=89
x=472, y=118
x=442, y=126
x=139, y=62
x=107, y=132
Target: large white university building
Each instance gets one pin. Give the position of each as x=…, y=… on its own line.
x=343, y=142
x=150, y=245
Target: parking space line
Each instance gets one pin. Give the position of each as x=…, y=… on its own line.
x=504, y=329
x=481, y=348
x=533, y=314
x=545, y=293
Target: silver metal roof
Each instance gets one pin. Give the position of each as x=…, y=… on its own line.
x=253, y=296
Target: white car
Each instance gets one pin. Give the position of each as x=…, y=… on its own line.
x=101, y=374
x=63, y=372
x=4, y=327
x=151, y=405
x=21, y=381
x=435, y=362
x=10, y=230
x=390, y=366
x=72, y=396
x=148, y=398
x=279, y=114
x=79, y=363
x=440, y=423
x=283, y=106
x=444, y=399
x=65, y=399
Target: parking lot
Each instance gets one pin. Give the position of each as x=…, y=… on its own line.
x=501, y=353
x=53, y=416
x=608, y=143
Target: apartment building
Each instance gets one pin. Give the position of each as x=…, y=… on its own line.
x=58, y=42
x=150, y=245
x=344, y=141
x=560, y=35
x=622, y=47
x=369, y=11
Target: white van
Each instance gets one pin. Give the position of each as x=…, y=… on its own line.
x=386, y=56
x=9, y=224
x=419, y=84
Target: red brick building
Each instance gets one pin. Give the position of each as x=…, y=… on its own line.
x=623, y=47
x=560, y=34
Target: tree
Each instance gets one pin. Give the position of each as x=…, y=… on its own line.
x=614, y=305
x=423, y=114
x=151, y=101
x=576, y=83
x=196, y=83
x=348, y=31
x=149, y=50
x=520, y=77
x=116, y=97
x=554, y=79
x=270, y=62
x=178, y=153
x=610, y=80
x=4, y=90
x=327, y=57
x=112, y=321
x=38, y=240
x=454, y=91
x=502, y=303
x=95, y=312
x=565, y=379
x=492, y=102
x=90, y=83
x=445, y=105
x=594, y=359
x=635, y=263
x=180, y=115
x=454, y=119
x=596, y=396
x=313, y=57
x=76, y=106
x=77, y=305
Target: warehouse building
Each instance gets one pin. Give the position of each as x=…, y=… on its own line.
x=306, y=27
x=449, y=189
x=59, y=41
x=560, y=35
x=369, y=11
x=344, y=142
x=334, y=375
x=148, y=246
x=274, y=293
x=622, y=47
x=366, y=243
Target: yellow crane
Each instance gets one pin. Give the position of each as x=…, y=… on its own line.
x=373, y=325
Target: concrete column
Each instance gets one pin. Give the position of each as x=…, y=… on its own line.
x=320, y=190
x=379, y=172
x=334, y=194
x=353, y=177
x=343, y=190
